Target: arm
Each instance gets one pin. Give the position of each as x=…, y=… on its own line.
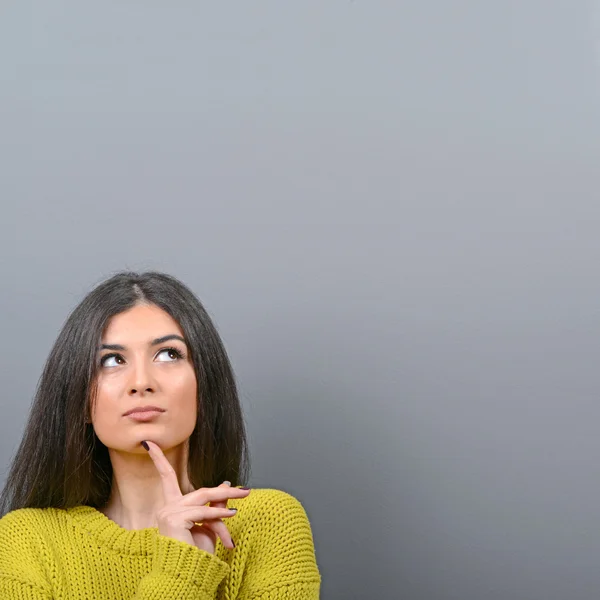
x=181, y=571
x=281, y=562
x=299, y=591
x=19, y=590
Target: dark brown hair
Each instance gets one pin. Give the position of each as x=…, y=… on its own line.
x=61, y=462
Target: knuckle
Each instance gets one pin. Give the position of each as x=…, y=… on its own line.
x=201, y=495
x=164, y=515
x=171, y=520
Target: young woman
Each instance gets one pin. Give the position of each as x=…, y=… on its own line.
x=126, y=482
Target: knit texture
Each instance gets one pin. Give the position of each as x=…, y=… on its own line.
x=79, y=553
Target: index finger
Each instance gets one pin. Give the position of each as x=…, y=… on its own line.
x=167, y=473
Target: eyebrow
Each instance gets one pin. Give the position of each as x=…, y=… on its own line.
x=155, y=342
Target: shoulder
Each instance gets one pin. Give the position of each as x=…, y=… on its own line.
x=24, y=550
x=13, y=523
x=276, y=540
x=30, y=531
x=27, y=529
x=275, y=510
x=274, y=498
x=25, y=519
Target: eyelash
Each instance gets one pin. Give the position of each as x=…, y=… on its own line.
x=180, y=355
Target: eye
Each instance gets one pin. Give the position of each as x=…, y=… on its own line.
x=107, y=357
x=171, y=351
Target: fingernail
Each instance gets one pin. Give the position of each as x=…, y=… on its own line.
x=146, y=445
x=227, y=482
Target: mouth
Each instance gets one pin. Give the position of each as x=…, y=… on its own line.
x=147, y=415
x=144, y=413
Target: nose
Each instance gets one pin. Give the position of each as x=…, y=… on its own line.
x=141, y=380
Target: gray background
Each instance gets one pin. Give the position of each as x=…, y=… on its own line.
x=390, y=209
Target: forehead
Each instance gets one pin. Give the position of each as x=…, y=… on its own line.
x=140, y=322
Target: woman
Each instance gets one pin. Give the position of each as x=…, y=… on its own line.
x=125, y=484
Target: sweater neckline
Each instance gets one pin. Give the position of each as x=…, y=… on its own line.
x=110, y=534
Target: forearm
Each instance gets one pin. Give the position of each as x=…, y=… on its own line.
x=181, y=571
x=19, y=590
x=294, y=591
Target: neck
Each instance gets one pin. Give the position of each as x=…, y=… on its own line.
x=136, y=493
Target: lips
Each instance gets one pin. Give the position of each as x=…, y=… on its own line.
x=140, y=409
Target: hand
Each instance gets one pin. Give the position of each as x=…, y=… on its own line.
x=177, y=519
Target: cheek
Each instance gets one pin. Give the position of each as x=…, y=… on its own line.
x=106, y=409
x=187, y=392
x=184, y=384
x=183, y=397
x=108, y=391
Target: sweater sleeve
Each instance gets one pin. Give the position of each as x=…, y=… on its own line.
x=23, y=575
x=19, y=590
x=281, y=563
x=181, y=571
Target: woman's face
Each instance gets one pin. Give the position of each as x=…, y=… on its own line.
x=144, y=370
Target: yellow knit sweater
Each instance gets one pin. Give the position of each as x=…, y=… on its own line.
x=79, y=553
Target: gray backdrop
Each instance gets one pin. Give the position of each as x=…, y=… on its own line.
x=392, y=212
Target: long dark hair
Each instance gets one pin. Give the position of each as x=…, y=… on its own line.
x=61, y=462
